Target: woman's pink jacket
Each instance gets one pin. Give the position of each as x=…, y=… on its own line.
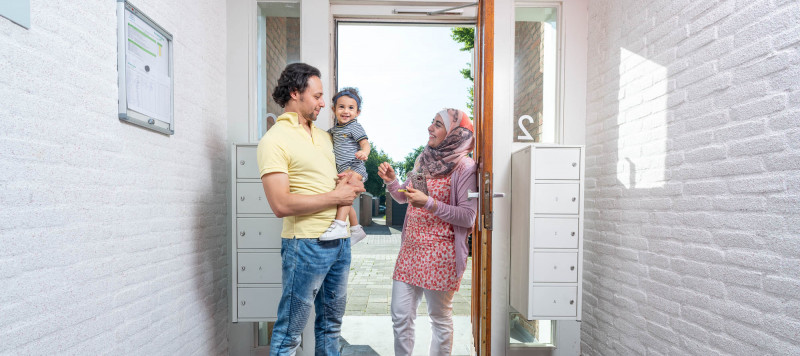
x=460, y=214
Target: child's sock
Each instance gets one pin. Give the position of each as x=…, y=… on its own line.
x=337, y=230
x=356, y=234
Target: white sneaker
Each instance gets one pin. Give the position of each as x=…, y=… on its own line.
x=356, y=234
x=335, y=231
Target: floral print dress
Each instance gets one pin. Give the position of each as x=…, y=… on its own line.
x=427, y=255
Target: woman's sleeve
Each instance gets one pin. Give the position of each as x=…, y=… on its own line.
x=397, y=196
x=463, y=212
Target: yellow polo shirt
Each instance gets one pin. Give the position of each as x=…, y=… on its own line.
x=310, y=164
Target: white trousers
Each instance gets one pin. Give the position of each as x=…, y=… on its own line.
x=405, y=301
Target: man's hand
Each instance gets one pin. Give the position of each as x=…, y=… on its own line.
x=416, y=198
x=346, y=189
x=344, y=176
x=386, y=172
x=284, y=203
x=362, y=155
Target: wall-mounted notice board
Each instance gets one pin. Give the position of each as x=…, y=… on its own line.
x=144, y=66
x=18, y=11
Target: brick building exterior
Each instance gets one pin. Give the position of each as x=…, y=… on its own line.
x=528, y=76
x=283, y=47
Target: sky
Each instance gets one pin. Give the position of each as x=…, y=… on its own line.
x=405, y=74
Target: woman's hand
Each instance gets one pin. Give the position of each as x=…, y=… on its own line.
x=386, y=172
x=416, y=198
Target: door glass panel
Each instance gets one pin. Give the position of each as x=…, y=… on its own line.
x=536, y=52
x=278, y=45
x=530, y=332
x=535, y=74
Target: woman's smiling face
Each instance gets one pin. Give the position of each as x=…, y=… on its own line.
x=436, y=131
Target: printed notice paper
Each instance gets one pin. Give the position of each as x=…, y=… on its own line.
x=147, y=70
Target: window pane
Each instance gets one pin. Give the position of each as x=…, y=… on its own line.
x=535, y=69
x=278, y=45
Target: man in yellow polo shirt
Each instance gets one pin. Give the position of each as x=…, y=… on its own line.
x=298, y=171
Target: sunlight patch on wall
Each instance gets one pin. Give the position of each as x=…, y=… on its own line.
x=642, y=122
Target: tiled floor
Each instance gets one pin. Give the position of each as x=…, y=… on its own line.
x=372, y=335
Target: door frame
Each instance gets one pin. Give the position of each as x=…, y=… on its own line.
x=316, y=38
x=483, y=64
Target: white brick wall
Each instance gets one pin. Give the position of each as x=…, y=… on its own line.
x=113, y=237
x=704, y=259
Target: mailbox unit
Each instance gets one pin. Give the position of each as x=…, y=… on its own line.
x=255, y=242
x=547, y=182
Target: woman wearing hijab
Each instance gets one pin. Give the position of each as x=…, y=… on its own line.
x=433, y=254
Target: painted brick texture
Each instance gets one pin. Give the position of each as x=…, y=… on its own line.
x=113, y=237
x=692, y=234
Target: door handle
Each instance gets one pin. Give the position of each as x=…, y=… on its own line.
x=475, y=195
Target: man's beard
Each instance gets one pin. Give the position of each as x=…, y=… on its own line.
x=310, y=116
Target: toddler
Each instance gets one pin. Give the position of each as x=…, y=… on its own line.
x=351, y=148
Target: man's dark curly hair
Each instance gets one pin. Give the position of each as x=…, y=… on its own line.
x=294, y=77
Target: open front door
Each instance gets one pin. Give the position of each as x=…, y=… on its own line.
x=482, y=233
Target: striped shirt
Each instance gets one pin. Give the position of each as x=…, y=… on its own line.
x=345, y=146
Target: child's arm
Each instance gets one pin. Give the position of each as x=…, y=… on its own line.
x=364, y=152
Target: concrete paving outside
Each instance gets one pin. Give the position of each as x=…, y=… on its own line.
x=369, y=289
x=367, y=325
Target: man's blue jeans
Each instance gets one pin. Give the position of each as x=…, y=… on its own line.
x=314, y=272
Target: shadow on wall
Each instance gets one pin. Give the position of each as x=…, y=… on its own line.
x=211, y=252
x=685, y=136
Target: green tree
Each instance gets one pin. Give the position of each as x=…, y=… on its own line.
x=374, y=183
x=466, y=36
